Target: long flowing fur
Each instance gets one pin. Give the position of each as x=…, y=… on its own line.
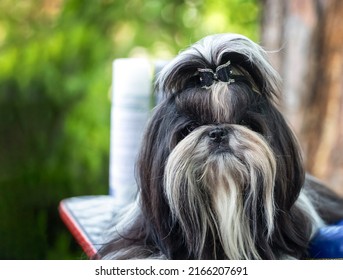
x=193, y=170
x=220, y=172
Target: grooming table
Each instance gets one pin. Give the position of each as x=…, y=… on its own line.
x=88, y=218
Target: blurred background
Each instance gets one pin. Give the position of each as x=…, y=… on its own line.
x=55, y=79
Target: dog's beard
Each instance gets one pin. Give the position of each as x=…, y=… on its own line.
x=217, y=187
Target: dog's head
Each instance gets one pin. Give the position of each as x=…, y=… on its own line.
x=219, y=166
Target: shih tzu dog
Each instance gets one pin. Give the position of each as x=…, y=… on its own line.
x=220, y=172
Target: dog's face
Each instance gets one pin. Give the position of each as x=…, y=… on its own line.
x=218, y=163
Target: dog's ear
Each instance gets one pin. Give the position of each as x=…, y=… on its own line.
x=290, y=169
x=155, y=149
x=153, y=154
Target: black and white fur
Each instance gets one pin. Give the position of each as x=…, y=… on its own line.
x=220, y=172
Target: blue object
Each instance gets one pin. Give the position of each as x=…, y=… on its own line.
x=328, y=242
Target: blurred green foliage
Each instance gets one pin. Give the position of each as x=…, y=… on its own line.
x=55, y=76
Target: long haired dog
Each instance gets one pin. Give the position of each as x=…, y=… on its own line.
x=220, y=173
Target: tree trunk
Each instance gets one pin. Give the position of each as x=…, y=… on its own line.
x=307, y=36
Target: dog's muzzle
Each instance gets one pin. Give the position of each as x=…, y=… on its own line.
x=218, y=135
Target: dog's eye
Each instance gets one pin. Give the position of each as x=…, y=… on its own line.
x=188, y=129
x=252, y=125
x=191, y=127
x=245, y=123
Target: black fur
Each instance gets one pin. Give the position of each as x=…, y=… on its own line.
x=154, y=231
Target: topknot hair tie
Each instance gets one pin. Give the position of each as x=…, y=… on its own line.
x=223, y=73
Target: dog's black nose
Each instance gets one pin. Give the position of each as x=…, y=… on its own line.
x=218, y=134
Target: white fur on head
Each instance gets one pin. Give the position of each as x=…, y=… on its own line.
x=212, y=50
